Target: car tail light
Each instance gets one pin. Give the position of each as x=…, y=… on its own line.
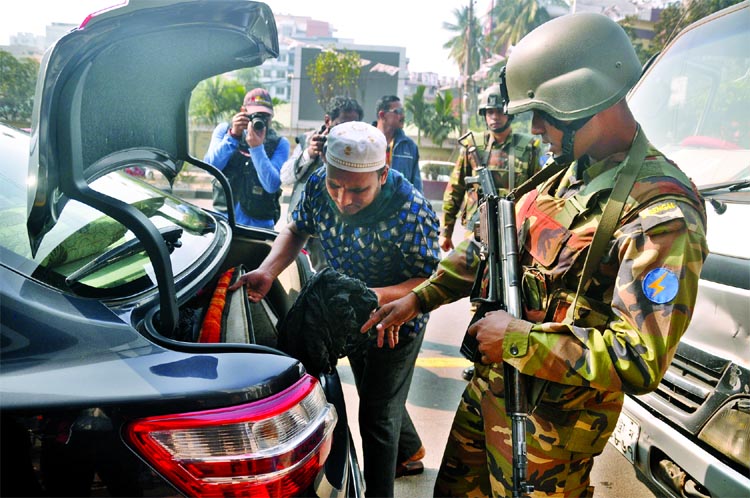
x=273, y=447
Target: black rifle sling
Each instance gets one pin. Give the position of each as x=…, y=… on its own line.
x=611, y=214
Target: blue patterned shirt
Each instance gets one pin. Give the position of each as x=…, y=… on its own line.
x=392, y=240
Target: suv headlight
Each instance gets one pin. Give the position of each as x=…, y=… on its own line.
x=729, y=431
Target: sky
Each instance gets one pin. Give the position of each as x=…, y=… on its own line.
x=414, y=24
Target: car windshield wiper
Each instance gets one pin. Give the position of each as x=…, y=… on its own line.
x=171, y=235
x=740, y=186
x=732, y=186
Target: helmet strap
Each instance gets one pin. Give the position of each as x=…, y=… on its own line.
x=569, y=129
x=502, y=128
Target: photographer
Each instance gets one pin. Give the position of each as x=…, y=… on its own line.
x=250, y=155
x=307, y=157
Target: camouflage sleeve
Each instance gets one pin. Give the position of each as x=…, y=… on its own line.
x=454, y=194
x=660, y=256
x=453, y=278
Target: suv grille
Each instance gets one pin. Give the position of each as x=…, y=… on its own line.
x=688, y=383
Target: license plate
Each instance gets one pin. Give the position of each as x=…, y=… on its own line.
x=625, y=437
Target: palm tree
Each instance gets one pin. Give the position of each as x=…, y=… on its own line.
x=462, y=47
x=443, y=121
x=215, y=99
x=513, y=19
x=466, y=47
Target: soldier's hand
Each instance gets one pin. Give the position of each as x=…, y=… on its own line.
x=388, y=319
x=490, y=332
x=446, y=243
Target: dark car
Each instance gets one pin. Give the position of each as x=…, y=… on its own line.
x=108, y=384
x=691, y=437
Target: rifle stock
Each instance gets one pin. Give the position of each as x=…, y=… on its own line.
x=499, y=242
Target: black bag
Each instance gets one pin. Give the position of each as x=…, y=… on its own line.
x=323, y=323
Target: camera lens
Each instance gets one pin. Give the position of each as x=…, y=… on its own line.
x=258, y=124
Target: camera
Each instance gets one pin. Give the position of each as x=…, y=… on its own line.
x=257, y=122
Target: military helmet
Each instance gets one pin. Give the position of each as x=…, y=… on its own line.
x=571, y=67
x=491, y=98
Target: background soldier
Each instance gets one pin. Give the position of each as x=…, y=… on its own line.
x=590, y=331
x=500, y=148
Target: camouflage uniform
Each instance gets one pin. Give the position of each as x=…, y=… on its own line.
x=633, y=313
x=461, y=199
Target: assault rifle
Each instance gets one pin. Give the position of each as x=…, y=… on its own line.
x=497, y=235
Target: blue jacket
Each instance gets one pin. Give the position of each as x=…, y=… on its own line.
x=405, y=158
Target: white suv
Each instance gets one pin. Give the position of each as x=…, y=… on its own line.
x=691, y=437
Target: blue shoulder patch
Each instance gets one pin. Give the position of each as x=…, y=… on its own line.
x=660, y=285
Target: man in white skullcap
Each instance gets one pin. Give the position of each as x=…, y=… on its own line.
x=375, y=226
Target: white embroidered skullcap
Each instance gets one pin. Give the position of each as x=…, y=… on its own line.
x=355, y=146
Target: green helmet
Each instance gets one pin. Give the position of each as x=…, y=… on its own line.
x=491, y=98
x=571, y=67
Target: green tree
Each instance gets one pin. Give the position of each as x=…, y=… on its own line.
x=511, y=21
x=444, y=121
x=419, y=112
x=672, y=20
x=17, y=87
x=466, y=48
x=216, y=99
x=334, y=73
x=467, y=43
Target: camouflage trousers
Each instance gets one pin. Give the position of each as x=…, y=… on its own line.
x=478, y=456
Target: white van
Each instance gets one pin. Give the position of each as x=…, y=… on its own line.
x=691, y=437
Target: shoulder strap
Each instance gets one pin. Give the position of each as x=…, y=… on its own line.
x=488, y=143
x=541, y=176
x=512, y=165
x=611, y=214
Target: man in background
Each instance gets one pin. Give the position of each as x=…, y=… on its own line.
x=402, y=154
x=250, y=155
x=307, y=157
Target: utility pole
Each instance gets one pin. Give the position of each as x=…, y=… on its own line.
x=467, y=64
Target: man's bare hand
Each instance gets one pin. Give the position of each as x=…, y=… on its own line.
x=490, y=333
x=258, y=284
x=239, y=124
x=317, y=142
x=254, y=137
x=388, y=319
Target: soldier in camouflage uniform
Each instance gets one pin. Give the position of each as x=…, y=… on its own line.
x=581, y=354
x=500, y=148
